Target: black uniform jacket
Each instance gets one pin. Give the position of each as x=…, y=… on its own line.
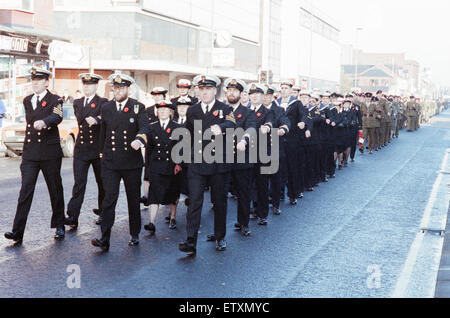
x=87, y=146
x=118, y=130
x=221, y=115
x=45, y=144
x=159, y=148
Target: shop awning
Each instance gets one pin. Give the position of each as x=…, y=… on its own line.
x=26, y=42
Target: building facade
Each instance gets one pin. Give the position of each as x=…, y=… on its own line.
x=158, y=42
x=311, y=51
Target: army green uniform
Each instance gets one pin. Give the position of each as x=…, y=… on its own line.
x=412, y=115
x=371, y=125
x=379, y=116
x=419, y=115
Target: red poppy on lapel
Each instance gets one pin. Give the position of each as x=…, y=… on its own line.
x=92, y=105
x=216, y=113
x=169, y=130
x=126, y=110
x=44, y=103
x=239, y=116
x=259, y=114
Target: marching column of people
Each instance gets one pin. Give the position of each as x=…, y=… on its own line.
x=306, y=134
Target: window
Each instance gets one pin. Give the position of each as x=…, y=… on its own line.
x=26, y=5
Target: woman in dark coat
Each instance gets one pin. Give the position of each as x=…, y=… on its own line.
x=162, y=170
x=351, y=125
x=158, y=95
x=341, y=133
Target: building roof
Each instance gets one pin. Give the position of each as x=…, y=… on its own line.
x=34, y=32
x=350, y=69
x=375, y=73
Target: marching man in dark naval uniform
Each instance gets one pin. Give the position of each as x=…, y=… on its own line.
x=241, y=174
x=124, y=132
x=214, y=115
x=87, y=148
x=41, y=152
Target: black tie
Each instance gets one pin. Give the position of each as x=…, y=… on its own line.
x=85, y=101
x=120, y=107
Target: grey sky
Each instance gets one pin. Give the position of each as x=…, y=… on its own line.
x=418, y=28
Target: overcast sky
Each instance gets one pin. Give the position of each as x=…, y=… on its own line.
x=418, y=28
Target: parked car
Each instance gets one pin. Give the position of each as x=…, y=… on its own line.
x=13, y=136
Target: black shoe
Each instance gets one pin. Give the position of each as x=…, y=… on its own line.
x=99, y=221
x=352, y=160
x=253, y=216
x=172, y=224
x=340, y=168
x=72, y=222
x=282, y=197
x=333, y=176
x=262, y=221
x=325, y=180
x=293, y=201
x=97, y=212
x=237, y=226
x=221, y=245
x=187, y=247
x=60, y=233
x=276, y=211
x=151, y=228
x=210, y=238
x=144, y=200
x=103, y=244
x=310, y=189
x=167, y=218
x=361, y=150
x=14, y=236
x=245, y=230
x=187, y=202
x=134, y=241
x=301, y=196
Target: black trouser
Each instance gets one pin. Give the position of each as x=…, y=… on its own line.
x=51, y=169
x=197, y=184
x=241, y=180
x=275, y=184
x=132, y=182
x=331, y=162
x=80, y=173
x=293, y=167
x=301, y=155
x=312, y=166
x=323, y=160
x=262, y=190
x=355, y=135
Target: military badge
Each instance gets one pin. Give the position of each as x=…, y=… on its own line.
x=132, y=120
x=88, y=77
x=136, y=109
x=221, y=114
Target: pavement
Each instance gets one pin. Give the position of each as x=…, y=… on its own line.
x=367, y=233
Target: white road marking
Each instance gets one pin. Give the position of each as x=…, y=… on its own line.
x=408, y=267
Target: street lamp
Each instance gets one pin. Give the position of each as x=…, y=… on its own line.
x=356, y=56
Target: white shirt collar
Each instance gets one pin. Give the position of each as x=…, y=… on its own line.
x=41, y=95
x=164, y=123
x=256, y=108
x=210, y=106
x=122, y=103
x=89, y=99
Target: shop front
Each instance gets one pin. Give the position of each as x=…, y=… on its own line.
x=19, y=51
